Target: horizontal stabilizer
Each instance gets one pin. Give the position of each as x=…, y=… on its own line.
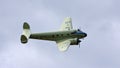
x=24, y=39
x=26, y=25
x=26, y=33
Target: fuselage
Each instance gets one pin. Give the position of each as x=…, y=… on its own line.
x=57, y=35
x=65, y=37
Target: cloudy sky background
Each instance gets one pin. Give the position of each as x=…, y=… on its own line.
x=100, y=19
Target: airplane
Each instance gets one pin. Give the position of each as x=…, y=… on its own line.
x=65, y=37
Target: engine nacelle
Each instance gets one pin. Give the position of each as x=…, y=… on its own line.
x=75, y=41
x=26, y=33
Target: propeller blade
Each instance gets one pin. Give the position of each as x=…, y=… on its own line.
x=79, y=45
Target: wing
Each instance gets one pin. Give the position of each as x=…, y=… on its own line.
x=63, y=45
x=67, y=24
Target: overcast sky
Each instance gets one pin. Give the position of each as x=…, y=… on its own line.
x=100, y=19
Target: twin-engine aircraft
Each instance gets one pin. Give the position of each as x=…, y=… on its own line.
x=65, y=37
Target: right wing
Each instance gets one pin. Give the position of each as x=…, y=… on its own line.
x=67, y=24
x=63, y=45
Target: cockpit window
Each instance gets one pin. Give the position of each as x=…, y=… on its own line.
x=68, y=34
x=74, y=32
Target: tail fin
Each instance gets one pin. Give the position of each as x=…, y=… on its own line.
x=26, y=33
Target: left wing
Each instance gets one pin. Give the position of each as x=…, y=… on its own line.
x=63, y=45
x=67, y=24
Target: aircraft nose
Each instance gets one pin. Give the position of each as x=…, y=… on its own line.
x=85, y=34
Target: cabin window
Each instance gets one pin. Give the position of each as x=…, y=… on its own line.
x=57, y=35
x=68, y=34
x=53, y=36
x=61, y=34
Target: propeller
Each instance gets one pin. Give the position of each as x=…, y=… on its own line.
x=79, y=45
x=78, y=29
x=78, y=41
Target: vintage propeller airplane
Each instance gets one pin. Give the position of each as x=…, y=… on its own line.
x=65, y=37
